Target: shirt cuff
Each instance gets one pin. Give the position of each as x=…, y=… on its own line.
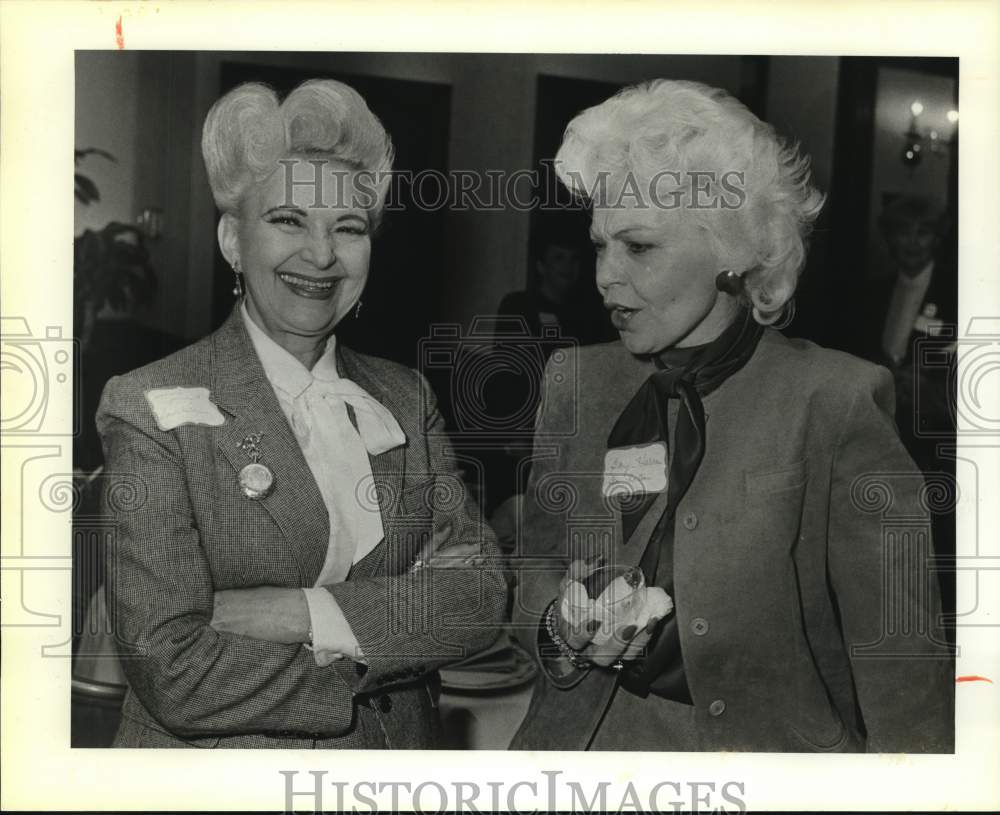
x=332, y=637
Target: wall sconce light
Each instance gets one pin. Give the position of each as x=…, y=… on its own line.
x=913, y=149
x=150, y=222
x=914, y=146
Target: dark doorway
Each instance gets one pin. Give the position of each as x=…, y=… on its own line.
x=558, y=100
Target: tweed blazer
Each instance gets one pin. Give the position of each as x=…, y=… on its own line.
x=807, y=607
x=184, y=530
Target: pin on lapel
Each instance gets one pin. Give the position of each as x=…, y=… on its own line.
x=256, y=480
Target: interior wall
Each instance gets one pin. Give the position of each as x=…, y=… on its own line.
x=106, y=106
x=136, y=105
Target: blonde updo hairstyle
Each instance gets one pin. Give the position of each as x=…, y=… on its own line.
x=685, y=126
x=248, y=130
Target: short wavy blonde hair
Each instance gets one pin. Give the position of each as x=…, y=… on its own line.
x=686, y=126
x=249, y=130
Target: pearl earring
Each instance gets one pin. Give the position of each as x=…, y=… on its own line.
x=238, y=287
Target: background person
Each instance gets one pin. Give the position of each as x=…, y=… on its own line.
x=554, y=300
x=912, y=317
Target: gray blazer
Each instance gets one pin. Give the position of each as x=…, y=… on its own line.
x=808, y=613
x=184, y=530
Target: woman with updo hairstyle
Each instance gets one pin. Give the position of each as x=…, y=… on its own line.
x=300, y=554
x=725, y=545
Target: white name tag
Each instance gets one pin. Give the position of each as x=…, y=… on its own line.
x=632, y=470
x=174, y=407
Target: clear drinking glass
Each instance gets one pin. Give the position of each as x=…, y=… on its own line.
x=599, y=603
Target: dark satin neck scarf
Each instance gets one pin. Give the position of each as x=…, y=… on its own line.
x=687, y=375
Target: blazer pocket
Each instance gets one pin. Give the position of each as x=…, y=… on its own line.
x=788, y=477
x=772, y=512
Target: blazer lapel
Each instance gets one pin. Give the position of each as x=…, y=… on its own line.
x=295, y=504
x=631, y=553
x=622, y=380
x=388, y=467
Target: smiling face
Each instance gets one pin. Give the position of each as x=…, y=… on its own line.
x=304, y=266
x=656, y=272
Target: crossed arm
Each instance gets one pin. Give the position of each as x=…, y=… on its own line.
x=282, y=615
x=197, y=678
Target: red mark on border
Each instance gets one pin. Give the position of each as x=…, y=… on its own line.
x=119, y=37
x=973, y=678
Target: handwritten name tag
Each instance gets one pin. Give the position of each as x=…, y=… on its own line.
x=631, y=470
x=174, y=407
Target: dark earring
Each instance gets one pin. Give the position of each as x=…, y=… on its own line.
x=357, y=310
x=729, y=282
x=238, y=287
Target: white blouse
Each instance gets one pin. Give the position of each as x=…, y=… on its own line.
x=315, y=404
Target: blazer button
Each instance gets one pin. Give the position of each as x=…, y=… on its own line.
x=690, y=521
x=699, y=626
x=385, y=703
x=717, y=708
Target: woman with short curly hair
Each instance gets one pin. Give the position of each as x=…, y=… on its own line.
x=732, y=467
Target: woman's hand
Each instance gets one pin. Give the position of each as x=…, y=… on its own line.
x=604, y=641
x=265, y=613
x=628, y=638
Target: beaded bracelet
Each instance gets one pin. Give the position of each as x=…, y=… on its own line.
x=576, y=659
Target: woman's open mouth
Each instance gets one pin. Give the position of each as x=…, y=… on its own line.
x=315, y=288
x=620, y=316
